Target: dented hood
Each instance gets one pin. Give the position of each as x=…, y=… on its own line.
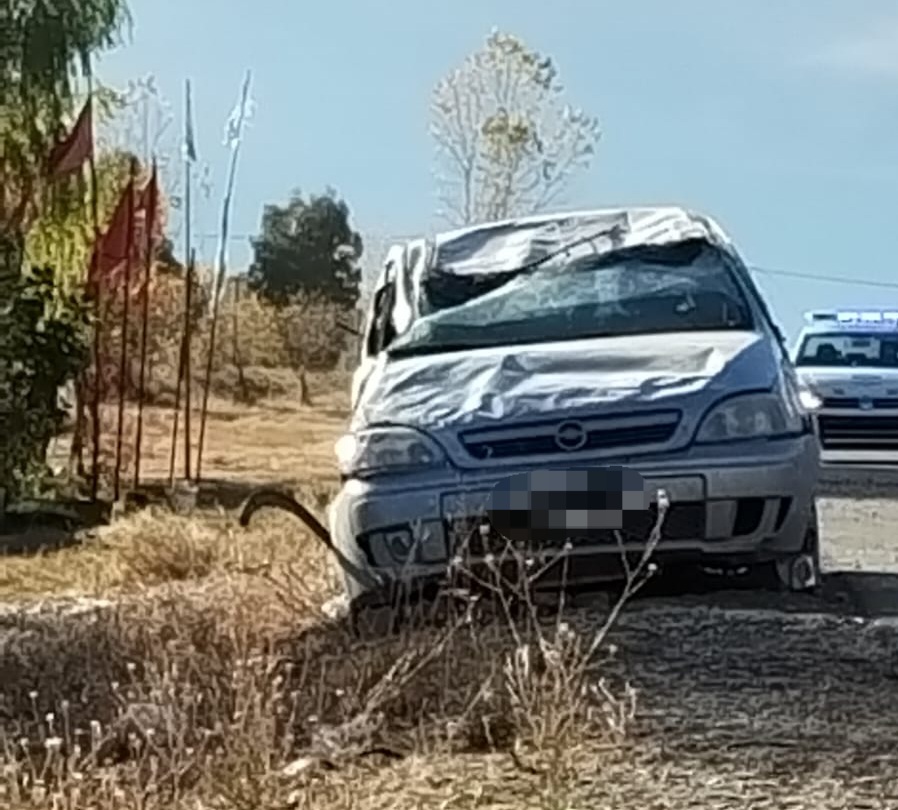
x=454, y=390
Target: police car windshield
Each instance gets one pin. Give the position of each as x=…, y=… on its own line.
x=851, y=350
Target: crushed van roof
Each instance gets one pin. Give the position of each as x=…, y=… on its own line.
x=496, y=247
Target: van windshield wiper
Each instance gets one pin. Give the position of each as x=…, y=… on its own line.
x=415, y=349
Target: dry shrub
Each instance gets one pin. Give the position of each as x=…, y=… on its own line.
x=249, y=331
x=311, y=333
x=173, y=699
x=165, y=327
x=151, y=551
x=253, y=384
x=154, y=688
x=251, y=334
x=154, y=547
x=233, y=696
x=258, y=346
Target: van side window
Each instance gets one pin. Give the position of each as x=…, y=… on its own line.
x=774, y=326
x=382, y=331
x=766, y=314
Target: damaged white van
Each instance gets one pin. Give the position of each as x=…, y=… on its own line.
x=631, y=338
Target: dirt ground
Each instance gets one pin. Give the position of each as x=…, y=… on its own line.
x=745, y=699
x=272, y=441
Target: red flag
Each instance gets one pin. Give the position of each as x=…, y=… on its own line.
x=146, y=210
x=111, y=249
x=146, y=201
x=70, y=154
x=146, y=206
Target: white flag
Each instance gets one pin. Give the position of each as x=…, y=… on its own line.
x=239, y=115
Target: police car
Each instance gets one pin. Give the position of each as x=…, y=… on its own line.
x=847, y=361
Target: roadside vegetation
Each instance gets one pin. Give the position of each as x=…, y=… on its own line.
x=210, y=669
x=175, y=660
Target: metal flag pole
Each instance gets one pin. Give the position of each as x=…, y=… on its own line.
x=94, y=289
x=233, y=139
x=184, y=361
x=145, y=317
x=123, y=357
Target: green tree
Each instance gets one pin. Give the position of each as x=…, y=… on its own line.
x=61, y=232
x=307, y=247
x=507, y=142
x=45, y=345
x=45, y=48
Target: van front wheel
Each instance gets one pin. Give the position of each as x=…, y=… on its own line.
x=801, y=572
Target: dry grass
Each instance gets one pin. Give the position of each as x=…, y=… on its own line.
x=235, y=692
x=274, y=441
x=154, y=547
x=209, y=676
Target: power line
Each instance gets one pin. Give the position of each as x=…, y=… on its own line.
x=233, y=237
x=247, y=236
x=767, y=271
x=866, y=282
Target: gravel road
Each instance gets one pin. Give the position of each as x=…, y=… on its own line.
x=753, y=699
x=746, y=699
x=758, y=700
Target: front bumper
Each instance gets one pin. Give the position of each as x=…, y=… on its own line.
x=734, y=501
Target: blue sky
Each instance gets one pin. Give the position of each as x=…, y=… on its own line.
x=777, y=117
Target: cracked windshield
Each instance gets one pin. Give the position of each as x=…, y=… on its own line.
x=424, y=406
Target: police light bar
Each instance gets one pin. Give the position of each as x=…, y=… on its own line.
x=853, y=318
x=816, y=317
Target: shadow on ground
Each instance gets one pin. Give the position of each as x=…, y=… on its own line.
x=864, y=594
x=860, y=481
x=213, y=493
x=50, y=526
x=46, y=525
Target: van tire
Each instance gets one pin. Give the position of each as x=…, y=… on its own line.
x=801, y=572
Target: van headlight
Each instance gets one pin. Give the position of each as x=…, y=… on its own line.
x=387, y=450
x=749, y=416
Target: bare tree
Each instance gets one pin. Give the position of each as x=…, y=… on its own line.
x=310, y=326
x=507, y=143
